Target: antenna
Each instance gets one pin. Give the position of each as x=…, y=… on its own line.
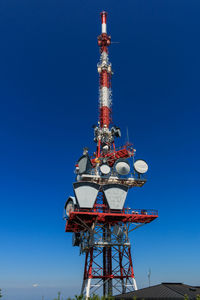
x=127, y=134
x=149, y=276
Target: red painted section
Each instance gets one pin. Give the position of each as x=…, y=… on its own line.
x=131, y=264
x=85, y=268
x=104, y=79
x=97, y=268
x=98, y=148
x=103, y=16
x=120, y=264
x=91, y=262
x=104, y=117
x=89, y=217
x=125, y=152
x=104, y=41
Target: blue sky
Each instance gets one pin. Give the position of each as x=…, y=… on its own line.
x=49, y=99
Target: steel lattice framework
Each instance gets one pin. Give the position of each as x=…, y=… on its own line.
x=105, y=241
x=96, y=214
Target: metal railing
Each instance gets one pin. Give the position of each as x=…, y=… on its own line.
x=102, y=208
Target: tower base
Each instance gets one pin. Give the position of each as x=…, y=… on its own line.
x=108, y=271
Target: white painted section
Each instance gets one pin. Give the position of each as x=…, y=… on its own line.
x=115, y=195
x=135, y=284
x=109, y=69
x=104, y=60
x=88, y=289
x=140, y=166
x=104, y=56
x=103, y=28
x=105, y=96
x=122, y=168
x=86, y=193
x=105, y=169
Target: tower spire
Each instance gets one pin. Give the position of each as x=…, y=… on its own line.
x=105, y=74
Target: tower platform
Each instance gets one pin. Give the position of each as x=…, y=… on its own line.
x=79, y=219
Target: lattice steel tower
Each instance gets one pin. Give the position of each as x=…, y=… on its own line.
x=96, y=214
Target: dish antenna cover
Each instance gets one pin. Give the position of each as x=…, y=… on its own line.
x=84, y=164
x=86, y=193
x=140, y=166
x=115, y=195
x=122, y=166
x=70, y=205
x=105, y=169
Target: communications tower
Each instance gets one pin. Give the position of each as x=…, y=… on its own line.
x=96, y=214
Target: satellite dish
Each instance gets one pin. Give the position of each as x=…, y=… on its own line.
x=84, y=164
x=70, y=205
x=140, y=166
x=122, y=166
x=105, y=169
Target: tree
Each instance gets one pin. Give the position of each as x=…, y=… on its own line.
x=79, y=297
x=0, y=294
x=59, y=293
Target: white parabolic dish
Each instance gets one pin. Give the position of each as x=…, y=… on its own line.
x=105, y=169
x=140, y=166
x=122, y=167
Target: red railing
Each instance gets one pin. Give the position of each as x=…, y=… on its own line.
x=102, y=208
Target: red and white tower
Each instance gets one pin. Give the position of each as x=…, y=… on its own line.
x=96, y=213
x=105, y=73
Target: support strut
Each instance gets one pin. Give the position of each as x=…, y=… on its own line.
x=108, y=271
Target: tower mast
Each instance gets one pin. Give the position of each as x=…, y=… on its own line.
x=105, y=73
x=96, y=214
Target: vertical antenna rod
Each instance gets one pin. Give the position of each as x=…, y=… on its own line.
x=105, y=73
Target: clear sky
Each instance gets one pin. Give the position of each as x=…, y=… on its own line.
x=49, y=100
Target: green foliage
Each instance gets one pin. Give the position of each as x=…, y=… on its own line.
x=96, y=297
x=0, y=294
x=186, y=297
x=59, y=293
x=79, y=297
x=198, y=297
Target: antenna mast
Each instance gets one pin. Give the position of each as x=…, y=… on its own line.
x=96, y=213
x=105, y=74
